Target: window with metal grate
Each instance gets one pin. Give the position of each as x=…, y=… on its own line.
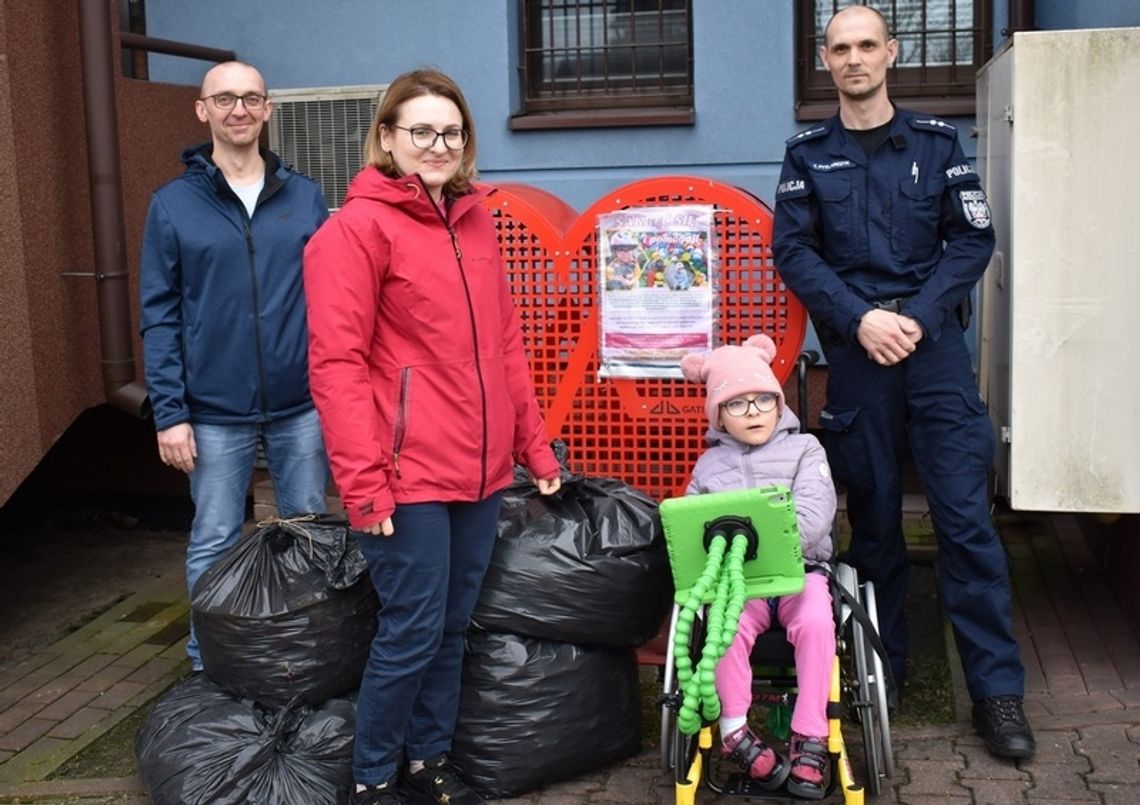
x=621, y=61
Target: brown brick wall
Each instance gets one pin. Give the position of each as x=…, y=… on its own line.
x=49, y=321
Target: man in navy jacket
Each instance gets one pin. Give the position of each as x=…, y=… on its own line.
x=223, y=320
x=881, y=229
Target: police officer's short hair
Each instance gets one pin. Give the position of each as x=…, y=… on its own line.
x=866, y=5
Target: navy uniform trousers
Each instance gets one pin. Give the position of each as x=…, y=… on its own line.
x=929, y=400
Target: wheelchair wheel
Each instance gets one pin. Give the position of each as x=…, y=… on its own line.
x=862, y=676
x=877, y=681
x=669, y=691
x=678, y=750
x=870, y=696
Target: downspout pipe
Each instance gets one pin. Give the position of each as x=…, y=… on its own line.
x=112, y=282
x=151, y=44
x=1021, y=17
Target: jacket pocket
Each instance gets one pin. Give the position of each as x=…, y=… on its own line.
x=916, y=223
x=403, y=411
x=836, y=209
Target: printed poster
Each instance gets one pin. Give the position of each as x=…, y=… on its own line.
x=657, y=274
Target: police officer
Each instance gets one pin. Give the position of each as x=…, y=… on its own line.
x=882, y=229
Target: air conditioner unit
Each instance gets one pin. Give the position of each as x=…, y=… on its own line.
x=320, y=131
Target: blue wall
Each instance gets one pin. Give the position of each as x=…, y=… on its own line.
x=1064, y=14
x=743, y=78
x=743, y=66
x=743, y=82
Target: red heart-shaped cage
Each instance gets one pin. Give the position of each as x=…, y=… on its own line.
x=647, y=432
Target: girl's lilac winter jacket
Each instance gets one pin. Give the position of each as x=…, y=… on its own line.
x=790, y=458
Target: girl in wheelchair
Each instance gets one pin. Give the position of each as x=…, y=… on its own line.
x=755, y=440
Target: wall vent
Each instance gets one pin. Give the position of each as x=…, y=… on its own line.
x=320, y=132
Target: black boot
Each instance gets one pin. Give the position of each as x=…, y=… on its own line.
x=1000, y=720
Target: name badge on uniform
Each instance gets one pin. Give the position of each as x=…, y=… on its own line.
x=835, y=164
x=975, y=207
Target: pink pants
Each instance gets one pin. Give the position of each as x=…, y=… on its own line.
x=808, y=620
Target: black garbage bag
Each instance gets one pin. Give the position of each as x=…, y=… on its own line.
x=288, y=611
x=588, y=565
x=533, y=712
x=201, y=745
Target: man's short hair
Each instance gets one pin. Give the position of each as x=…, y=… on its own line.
x=886, y=27
x=212, y=67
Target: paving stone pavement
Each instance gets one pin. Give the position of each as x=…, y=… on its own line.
x=1083, y=699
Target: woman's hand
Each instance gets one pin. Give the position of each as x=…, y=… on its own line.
x=382, y=528
x=548, y=486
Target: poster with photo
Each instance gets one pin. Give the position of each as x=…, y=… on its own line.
x=657, y=269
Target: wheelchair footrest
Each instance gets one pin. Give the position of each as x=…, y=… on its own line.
x=739, y=784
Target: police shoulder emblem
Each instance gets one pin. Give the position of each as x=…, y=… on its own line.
x=807, y=134
x=933, y=124
x=975, y=208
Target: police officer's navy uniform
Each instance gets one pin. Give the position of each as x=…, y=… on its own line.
x=906, y=228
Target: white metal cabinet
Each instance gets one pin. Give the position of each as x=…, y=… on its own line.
x=1059, y=306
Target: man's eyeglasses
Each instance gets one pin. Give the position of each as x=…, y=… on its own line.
x=738, y=406
x=227, y=100
x=423, y=137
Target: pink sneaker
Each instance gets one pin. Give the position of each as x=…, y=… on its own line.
x=758, y=760
x=811, y=766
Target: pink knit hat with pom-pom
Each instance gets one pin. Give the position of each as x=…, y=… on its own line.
x=733, y=371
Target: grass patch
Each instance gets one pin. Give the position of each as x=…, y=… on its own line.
x=110, y=755
x=929, y=695
x=650, y=709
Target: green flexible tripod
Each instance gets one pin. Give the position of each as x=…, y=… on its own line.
x=724, y=548
x=699, y=700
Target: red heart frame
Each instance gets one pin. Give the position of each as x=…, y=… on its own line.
x=647, y=432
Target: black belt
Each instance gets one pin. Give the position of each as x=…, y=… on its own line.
x=893, y=305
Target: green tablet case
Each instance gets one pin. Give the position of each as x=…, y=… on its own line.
x=777, y=569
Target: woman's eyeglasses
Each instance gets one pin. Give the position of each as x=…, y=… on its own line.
x=423, y=137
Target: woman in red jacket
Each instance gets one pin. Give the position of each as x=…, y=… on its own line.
x=418, y=371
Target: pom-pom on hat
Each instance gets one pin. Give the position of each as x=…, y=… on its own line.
x=732, y=371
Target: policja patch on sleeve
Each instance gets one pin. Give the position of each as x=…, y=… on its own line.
x=975, y=207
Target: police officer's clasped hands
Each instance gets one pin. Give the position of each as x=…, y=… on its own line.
x=888, y=337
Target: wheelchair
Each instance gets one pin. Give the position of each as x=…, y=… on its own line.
x=760, y=526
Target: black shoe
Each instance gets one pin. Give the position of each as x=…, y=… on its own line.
x=1000, y=720
x=438, y=782
x=383, y=794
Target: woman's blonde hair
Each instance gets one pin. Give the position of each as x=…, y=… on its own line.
x=414, y=84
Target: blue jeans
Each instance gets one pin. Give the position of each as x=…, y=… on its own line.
x=428, y=575
x=220, y=480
